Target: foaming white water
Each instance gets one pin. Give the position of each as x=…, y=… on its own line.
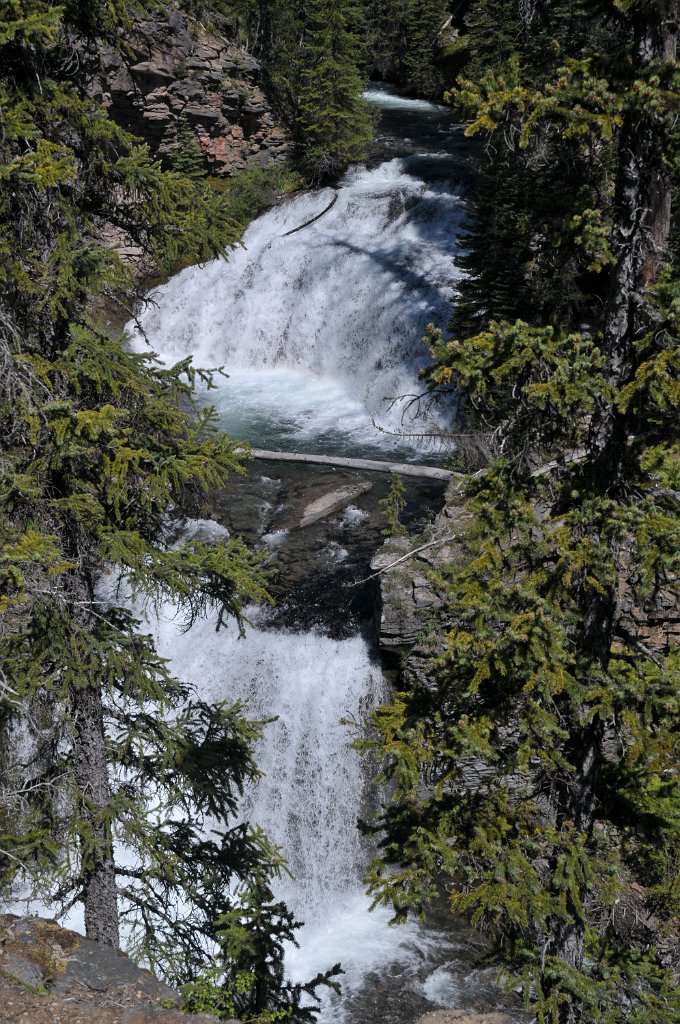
x=310, y=796
x=313, y=787
x=322, y=328
x=390, y=101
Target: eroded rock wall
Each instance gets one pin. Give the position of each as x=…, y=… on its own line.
x=170, y=69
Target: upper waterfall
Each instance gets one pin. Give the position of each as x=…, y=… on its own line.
x=321, y=331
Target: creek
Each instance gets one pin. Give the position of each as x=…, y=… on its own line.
x=320, y=334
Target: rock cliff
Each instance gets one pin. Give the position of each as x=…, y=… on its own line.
x=171, y=69
x=408, y=597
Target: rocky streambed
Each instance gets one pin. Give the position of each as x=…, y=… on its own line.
x=320, y=531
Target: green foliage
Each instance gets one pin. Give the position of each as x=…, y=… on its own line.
x=424, y=21
x=392, y=506
x=386, y=38
x=538, y=224
x=312, y=54
x=187, y=157
x=408, y=42
x=255, y=982
x=333, y=124
x=535, y=778
x=249, y=193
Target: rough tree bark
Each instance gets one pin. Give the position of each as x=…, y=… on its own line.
x=92, y=778
x=641, y=226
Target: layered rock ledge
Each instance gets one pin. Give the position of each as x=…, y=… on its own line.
x=171, y=69
x=406, y=567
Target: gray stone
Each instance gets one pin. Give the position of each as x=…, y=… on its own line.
x=21, y=970
x=309, y=501
x=179, y=69
x=206, y=115
x=326, y=504
x=150, y=69
x=103, y=969
x=188, y=89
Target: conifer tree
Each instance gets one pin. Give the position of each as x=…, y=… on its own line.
x=187, y=157
x=386, y=37
x=333, y=124
x=404, y=43
x=104, y=452
x=313, y=56
x=537, y=777
x=424, y=21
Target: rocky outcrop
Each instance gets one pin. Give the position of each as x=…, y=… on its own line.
x=170, y=69
x=408, y=597
x=50, y=975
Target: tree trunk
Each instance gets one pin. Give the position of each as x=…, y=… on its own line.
x=642, y=221
x=92, y=778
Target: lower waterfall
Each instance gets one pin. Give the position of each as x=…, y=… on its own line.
x=314, y=784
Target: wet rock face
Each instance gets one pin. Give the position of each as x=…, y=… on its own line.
x=171, y=69
x=50, y=975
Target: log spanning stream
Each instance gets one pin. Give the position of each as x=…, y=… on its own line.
x=319, y=331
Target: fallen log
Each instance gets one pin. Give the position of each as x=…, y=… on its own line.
x=368, y=465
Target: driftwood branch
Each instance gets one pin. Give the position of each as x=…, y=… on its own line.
x=369, y=465
x=312, y=219
x=633, y=641
x=403, y=558
x=578, y=456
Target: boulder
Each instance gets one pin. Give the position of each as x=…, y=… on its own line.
x=407, y=594
x=51, y=975
x=310, y=500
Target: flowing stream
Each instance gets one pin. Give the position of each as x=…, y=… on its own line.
x=320, y=333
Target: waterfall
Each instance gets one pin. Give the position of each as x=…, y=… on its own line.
x=313, y=786
x=321, y=331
